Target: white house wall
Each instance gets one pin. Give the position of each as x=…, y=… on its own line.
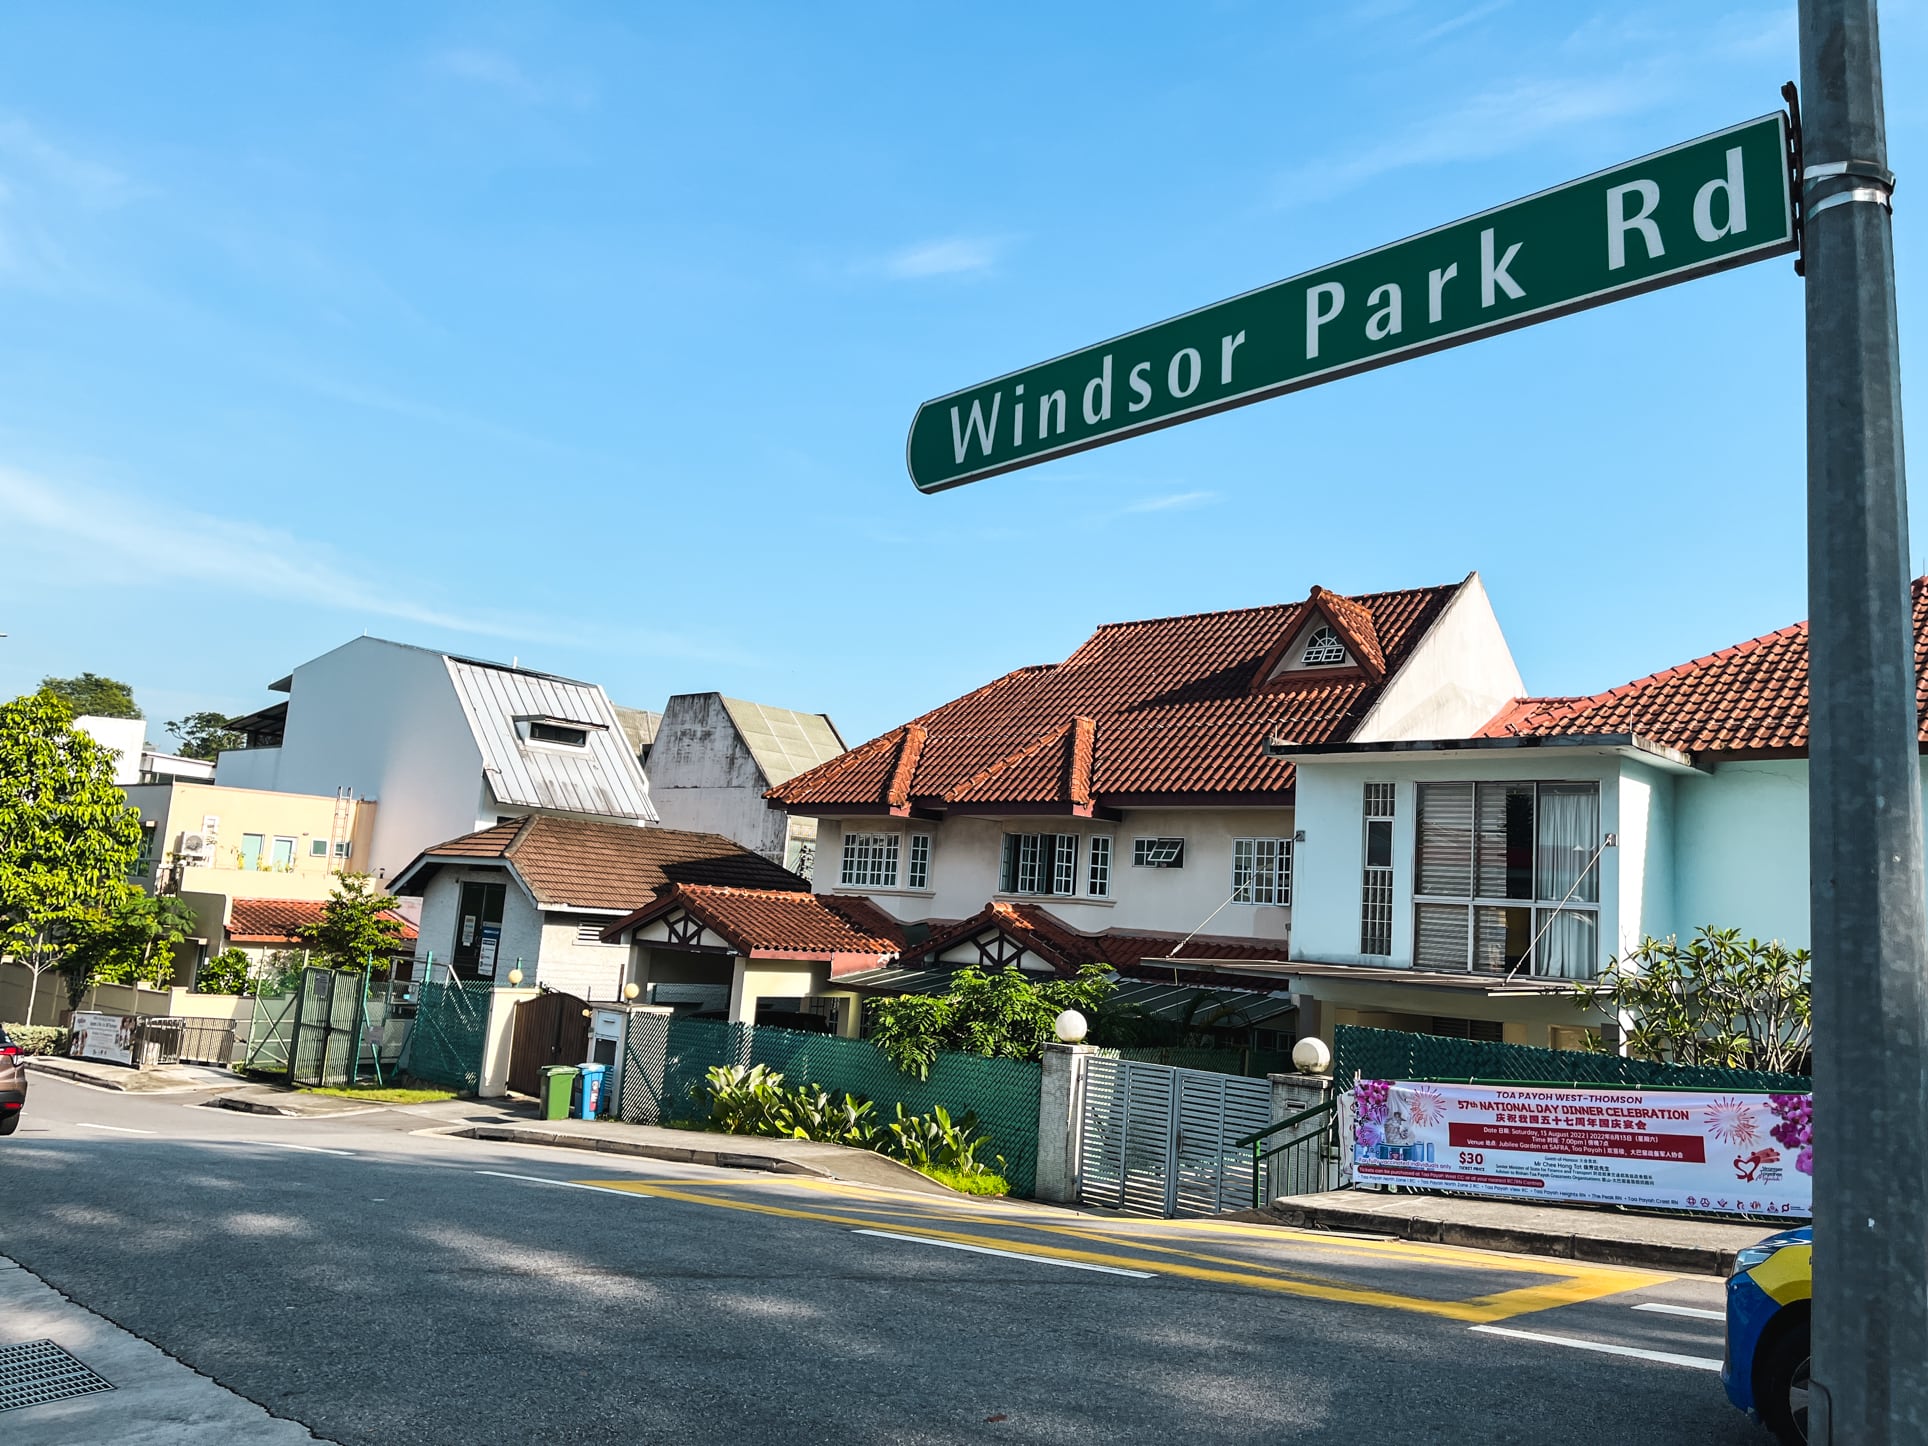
x=966, y=852
x=703, y=777
x=521, y=920
x=1452, y=684
x=380, y=718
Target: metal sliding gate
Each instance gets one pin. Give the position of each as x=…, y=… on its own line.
x=1153, y=1140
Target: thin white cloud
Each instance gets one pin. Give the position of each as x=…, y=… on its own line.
x=1171, y=502
x=1493, y=123
x=952, y=256
x=91, y=181
x=119, y=538
x=1462, y=20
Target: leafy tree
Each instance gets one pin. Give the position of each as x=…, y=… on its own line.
x=223, y=973
x=356, y=927
x=133, y=943
x=92, y=694
x=1006, y=1015
x=1719, y=1000
x=204, y=735
x=68, y=836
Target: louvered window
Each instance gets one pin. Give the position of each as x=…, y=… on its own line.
x=1507, y=877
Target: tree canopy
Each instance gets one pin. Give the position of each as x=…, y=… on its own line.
x=68, y=836
x=355, y=928
x=94, y=695
x=1718, y=1000
x=1005, y=1015
x=132, y=943
x=203, y=735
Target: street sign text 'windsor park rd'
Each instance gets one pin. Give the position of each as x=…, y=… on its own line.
x=1713, y=203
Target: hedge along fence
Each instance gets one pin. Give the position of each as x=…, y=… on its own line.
x=1393, y=1054
x=1002, y=1093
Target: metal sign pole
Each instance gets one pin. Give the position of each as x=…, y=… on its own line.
x=1870, y=1324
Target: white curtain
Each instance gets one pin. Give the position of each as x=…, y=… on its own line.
x=1568, y=836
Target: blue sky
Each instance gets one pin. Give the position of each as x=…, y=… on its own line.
x=590, y=335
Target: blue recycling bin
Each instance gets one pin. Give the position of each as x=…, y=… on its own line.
x=590, y=1097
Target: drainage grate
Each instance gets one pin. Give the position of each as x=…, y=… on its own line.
x=36, y=1372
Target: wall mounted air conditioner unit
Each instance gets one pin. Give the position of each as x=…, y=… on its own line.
x=196, y=847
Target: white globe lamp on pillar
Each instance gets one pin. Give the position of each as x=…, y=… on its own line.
x=1070, y=1027
x=515, y=977
x=631, y=990
x=1312, y=1056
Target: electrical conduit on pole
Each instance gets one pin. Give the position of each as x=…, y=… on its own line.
x=1870, y=1321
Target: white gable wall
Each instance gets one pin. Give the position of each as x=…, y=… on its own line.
x=703, y=777
x=1455, y=680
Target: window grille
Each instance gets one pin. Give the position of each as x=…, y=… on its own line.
x=1323, y=649
x=1158, y=853
x=590, y=932
x=1261, y=870
x=1039, y=863
x=1375, y=897
x=1098, y=866
x=917, y=872
x=870, y=860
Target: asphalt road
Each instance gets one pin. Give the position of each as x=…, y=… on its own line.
x=382, y=1285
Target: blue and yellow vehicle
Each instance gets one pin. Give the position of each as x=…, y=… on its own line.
x=1768, y=1299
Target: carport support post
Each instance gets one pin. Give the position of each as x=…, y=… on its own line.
x=1060, y=1106
x=1870, y=1322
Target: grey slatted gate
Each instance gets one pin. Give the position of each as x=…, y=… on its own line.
x=1154, y=1140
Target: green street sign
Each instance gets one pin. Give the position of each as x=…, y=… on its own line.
x=1721, y=201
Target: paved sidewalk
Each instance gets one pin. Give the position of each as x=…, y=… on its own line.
x=697, y=1147
x=167, y=1079
x=156, y=1400
x=1567, y=1232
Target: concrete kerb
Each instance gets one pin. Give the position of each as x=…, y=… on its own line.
x=1545, y=1231
x=124, y=1078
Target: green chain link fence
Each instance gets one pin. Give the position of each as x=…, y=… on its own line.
x=451, y=1027
x=1393, y=1054
x=1002, y=1093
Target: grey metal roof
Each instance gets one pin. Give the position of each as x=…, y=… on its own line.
x=602, y=778
x=783, y=741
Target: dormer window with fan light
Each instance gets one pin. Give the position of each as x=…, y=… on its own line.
x=1323, y=649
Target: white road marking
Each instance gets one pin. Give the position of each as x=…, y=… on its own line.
x=559, y=1184
x=1008, y=1254
x=117, y=1129
x=1666, y=1358
x=277, y=1145
x=1693, y=1312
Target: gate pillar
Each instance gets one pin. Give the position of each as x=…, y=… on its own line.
x=1060, y=1107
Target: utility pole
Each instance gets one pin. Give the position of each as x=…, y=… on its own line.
x=1870, y=1325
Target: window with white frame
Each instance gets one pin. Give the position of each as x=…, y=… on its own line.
x=1158, y=853
x=1098, y=866
x=1261, y=870
x=917, y=872
x=870, y=860
x=1375, y=895
x=1323, y=649
x=1039, y=863
x=1506, y=876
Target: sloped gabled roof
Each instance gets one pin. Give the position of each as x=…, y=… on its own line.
x=284, y=921
x=1171, y=709
x=579, y=863
x=776, y=921
x=1750, y=698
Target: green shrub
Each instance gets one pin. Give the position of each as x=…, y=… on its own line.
x=755, y=1101
x=223, y=973
x=38, y=1038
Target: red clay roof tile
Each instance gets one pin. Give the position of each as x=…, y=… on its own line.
x=1752, y=697
x=284, y=921
x=1172, y=704
x=777, y=921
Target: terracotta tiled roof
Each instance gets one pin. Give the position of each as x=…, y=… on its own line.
x=578, y=863
x=1125, y=950
x=1752, y=697
x=1173, y=707
x=777, y=921
x=283, y=921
